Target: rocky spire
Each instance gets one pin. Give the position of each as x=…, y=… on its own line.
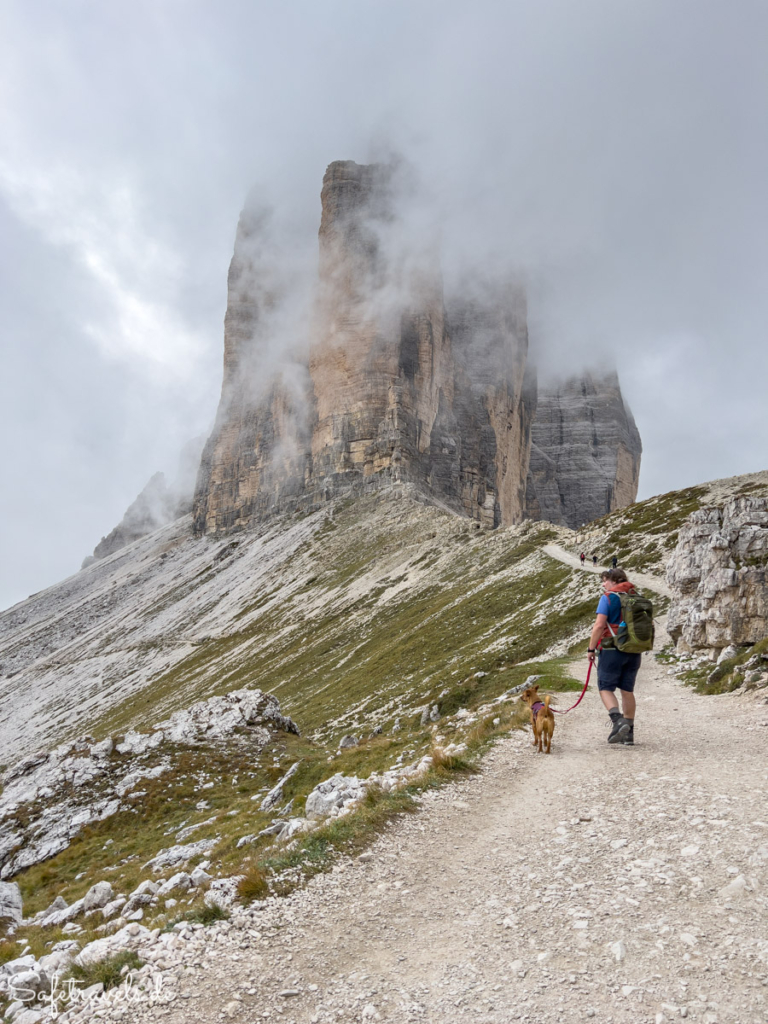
x=399, y=385
x=585, y=451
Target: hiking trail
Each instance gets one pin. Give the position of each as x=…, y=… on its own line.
x=622, y=884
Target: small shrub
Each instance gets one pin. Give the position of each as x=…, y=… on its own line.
x=373, y=795
x=253, y=885
x=108, y=971
x=209, y=913
x=442, y=763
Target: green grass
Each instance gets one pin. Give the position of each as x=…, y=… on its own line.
x=108, y=971
x=643, y=535
x=723, y=678
x=345, y=644
x=208, y=914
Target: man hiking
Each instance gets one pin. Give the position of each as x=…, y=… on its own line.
x=616, y=669
x=582, y=556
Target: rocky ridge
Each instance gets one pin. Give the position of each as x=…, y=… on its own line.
x=49, y=797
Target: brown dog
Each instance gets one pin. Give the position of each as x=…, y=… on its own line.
x=542, y=719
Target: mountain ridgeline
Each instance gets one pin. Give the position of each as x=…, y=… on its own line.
x=400, y=382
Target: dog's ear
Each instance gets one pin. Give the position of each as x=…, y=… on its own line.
x=534, y=691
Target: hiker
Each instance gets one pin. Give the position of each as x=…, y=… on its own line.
x=619, y=625
x=582, y=556
x=614, y=562
x=594, y=559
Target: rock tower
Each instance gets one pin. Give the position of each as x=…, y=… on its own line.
x=397, y=383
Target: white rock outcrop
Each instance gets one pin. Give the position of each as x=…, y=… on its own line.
x=98, y=896
x=332, y=796
x=719, y=577
x=83, y=782
x=10, y=905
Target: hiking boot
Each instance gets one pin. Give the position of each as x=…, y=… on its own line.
x=629, y=739
x=620, y=729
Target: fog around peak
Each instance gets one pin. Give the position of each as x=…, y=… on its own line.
x=612, y=156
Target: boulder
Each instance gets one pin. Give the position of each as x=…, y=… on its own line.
x=130, y=937
x=29, y=1017
x=275, y=795
x=135, y=902
x=177, y=855
x=57, y=962
x=103, y=749
x=293, y=827
x=97, y=897
x=727, y=652
x=348, y=741
x=113, y=907
x=58, y=904
x=200, y=877
x=333, y=795
x=180, y=882
x=18, y=965
x=61, y=917
x=25, y=985
x=11, y=913
x=135, y=743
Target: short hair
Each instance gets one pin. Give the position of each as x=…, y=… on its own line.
x=617, y=576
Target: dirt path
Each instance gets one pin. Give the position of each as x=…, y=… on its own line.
x=643, y=579
x=604, y=882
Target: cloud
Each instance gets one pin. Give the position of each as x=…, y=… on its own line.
x=613, y=152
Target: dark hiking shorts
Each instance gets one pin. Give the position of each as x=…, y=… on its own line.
x=617, y=669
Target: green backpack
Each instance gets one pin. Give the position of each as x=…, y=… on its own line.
x=635, y=631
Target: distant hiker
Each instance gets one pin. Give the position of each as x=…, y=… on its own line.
x=614, y=562
x=594, y=559
x=582, y=556
x=623, y=630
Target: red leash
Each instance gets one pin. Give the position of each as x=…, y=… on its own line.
x=586, y=684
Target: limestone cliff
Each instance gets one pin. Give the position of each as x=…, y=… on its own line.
x=585, y=452
x=396, y=390
x=397, y=383
x=719, y=576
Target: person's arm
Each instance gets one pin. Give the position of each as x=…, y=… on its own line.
x=597, y=632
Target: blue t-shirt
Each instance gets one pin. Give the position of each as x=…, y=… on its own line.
x=610, y=605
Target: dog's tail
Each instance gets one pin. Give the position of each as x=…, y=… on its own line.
x=546, y=703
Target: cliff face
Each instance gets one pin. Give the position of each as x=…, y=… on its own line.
x=585, y=452
x=719, y=576
x=397, y=383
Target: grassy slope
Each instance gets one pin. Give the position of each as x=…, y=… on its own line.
x=391, y=604
x=643, y=535
x=388, y=607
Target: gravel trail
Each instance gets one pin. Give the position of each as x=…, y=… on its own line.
x=642, y=579
x=604, y=882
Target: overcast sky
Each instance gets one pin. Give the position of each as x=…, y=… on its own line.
x=616, y=150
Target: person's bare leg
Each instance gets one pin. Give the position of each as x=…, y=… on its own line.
x=628, y=704
x=609, y=700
